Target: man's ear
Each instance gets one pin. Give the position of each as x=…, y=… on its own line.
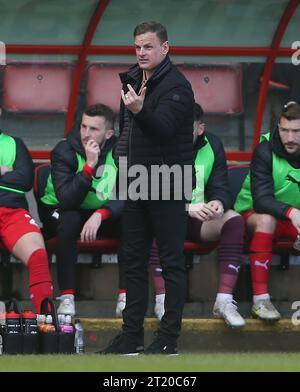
x=165, y=47
x=109, y=133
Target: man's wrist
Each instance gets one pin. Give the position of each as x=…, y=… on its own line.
x=140, y=112
x=135, y=112
x=105, y=214
x=88, y=170
x=288, y=213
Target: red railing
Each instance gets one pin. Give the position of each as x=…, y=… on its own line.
x=129, y=50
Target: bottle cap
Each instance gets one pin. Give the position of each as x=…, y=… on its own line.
x=48, y=319
x=68, y=319
x=12, y=314
x=28, y=314
x=41, y=318
x=296, y=244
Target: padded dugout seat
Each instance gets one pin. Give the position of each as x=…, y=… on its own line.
x=104, y=85
x=218, y=89
x=37, y=87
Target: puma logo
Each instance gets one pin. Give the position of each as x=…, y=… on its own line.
x=31, y=220
x=264, y=265
x=235, y=267
x=293, y=180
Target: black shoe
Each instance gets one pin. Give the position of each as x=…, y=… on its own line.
x=162, y=346
x=122, y=344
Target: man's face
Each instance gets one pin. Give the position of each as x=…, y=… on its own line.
x=289, y=132
x=199, y=128
x=93, y=128
x=150, y=52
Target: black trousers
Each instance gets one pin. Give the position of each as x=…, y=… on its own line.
x=141, y=222
x=67, y=229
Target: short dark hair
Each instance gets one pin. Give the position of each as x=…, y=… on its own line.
x=152, y=27
x=198, y=112
x=103, y=111
x=291, y=111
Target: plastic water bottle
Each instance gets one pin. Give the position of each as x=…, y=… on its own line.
x=29, y=323
x=61, y=320
x=67, y=326
x=296, y=245
x=41, y=321
x=79, y=338
x=2, y=324
x=2, y=316
x=13, y=322
x=48, y=327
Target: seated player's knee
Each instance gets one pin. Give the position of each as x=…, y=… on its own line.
x=265, y=223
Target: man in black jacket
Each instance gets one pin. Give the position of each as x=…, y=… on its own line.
x=211, y=219
x=19, y=233
x=79, y=194
x=156, y=128
x=270, y=202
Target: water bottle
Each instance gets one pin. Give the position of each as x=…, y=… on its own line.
x=29, y=322
x=79, y=338
x=2, y=316
x=296, y=245
x=41, y=321
x=2, y=327
x=2, y=324
x=48, y=326
x=13, y=322
x=66, y=326
x=61, y=320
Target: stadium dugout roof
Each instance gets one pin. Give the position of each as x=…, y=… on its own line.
x=199, y=31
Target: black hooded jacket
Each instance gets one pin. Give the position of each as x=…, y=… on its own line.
x=262, y=185
x=20, y=178
x=71, y=188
